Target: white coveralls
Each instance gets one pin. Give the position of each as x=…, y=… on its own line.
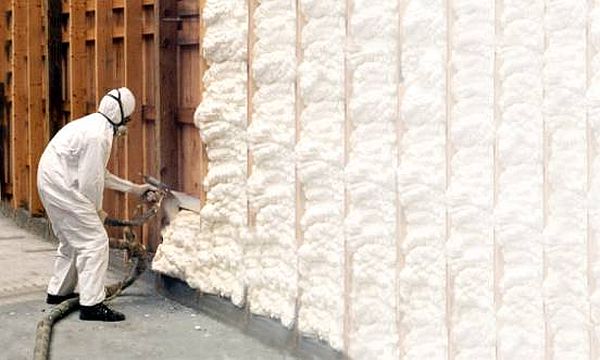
x=71, y=178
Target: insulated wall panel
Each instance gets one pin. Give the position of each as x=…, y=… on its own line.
x=320, y=161
x=423, y=174
x=370, y=224
x=519, y=210
x=422, y=180
x=593, y=115
x=271, y=252
x=565, y=237
x=470, y=246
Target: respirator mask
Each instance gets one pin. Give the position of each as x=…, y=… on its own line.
x=121, y=128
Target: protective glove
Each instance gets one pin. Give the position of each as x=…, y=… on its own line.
x=102, y=215
x=141, y=189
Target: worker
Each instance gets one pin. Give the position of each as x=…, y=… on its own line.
x=71, y=178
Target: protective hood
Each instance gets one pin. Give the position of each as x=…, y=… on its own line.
x=117, y=105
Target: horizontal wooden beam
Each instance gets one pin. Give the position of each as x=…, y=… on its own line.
x=148, y=113
x=186, y=115
x=116, y=5
x=187, y=8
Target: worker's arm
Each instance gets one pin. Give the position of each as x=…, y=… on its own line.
x=116, y=183
x=91, y=171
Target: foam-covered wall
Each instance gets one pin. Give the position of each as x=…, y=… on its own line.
x=520, y=180
x=370, y=222
x=271, y=259
x=403, y=179
x=320, y=162
x=422, y=180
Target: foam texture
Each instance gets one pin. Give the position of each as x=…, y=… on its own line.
x=271, y=252
x=593, y=115
x=565, y=243
x=470, y=191
x=370, y=224
x=519, y=210
x=422, y=181
x=320, y=161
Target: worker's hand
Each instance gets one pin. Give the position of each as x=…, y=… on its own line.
x=102, y=215
x=141, y=189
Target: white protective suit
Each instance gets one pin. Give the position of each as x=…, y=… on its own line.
x=71, y=178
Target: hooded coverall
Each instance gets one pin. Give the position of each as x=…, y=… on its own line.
x=71, y=178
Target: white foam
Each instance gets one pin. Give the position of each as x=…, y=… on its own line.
x=271, y=258
x=565, y=285
x=471, y=190
x=371, y=180
x=320, y=161
x=422, y=181
x=176, y=253
x=519, y=212
x=593, y=97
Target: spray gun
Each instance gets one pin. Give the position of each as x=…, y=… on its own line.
x=173, y=201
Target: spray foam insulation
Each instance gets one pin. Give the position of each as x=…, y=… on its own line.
x=403, y=179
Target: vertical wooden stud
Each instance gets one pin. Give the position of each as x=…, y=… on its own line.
x=77, y=55
x=19, y=148
x=133, y=80
x=53, y=66
x=4, y=140
x=166, y=89
x=103, y=39
x=37, y=128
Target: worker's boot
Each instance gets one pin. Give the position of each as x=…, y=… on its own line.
x=99, y=312
x=57, y=299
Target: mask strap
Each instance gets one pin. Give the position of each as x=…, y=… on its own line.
x=118, y=99
x=123, y=122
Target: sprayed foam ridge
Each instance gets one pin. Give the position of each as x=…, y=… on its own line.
x=565, y=284
x=213, y=242
x=422, y=181
x=320, y=161
x=176, y=253
x=370, y=224
x=470, y=245
x=593, y=106
x=271, y=256
x=519, y=211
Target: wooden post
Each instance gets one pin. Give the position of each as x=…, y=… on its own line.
x=103, y=42
x=166, y=91
x=19, y=148
x=4, y=141
x=77, y=55
x=37, y=129
x=133, y=80
x=53, y=66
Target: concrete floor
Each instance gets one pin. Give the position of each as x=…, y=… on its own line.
x=156, y=328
